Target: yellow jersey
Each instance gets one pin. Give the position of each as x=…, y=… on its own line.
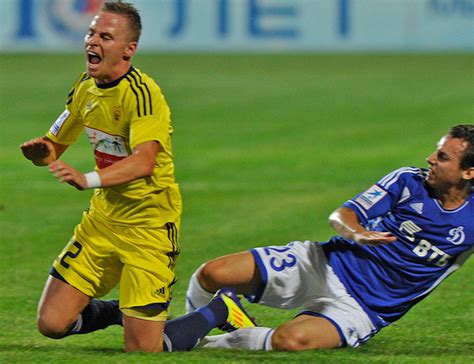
x=116, y=118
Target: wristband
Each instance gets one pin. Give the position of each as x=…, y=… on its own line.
x=92, y=179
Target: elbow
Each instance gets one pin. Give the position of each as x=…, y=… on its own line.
x=146, y=170
x=333, y=217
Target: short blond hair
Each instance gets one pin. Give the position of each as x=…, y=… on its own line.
x=130, y=12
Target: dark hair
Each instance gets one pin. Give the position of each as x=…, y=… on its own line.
x=466, y=133
x=128, y=11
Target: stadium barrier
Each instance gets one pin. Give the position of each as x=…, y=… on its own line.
x=251, y=25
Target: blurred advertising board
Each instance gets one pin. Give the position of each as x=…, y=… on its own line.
x=251, y=25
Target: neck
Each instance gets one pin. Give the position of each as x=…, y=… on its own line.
x=119, y=73
x=452, y=198
x=112, y=83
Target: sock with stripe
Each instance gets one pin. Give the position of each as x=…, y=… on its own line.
x=97, y=315
x=184, y=333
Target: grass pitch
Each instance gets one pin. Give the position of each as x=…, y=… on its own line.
x=266, y=146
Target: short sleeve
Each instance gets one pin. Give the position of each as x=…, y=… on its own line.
x=154, y=125
x=68, y=126
x=382, y=197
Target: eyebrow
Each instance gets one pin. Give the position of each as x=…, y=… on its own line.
x=91, y=29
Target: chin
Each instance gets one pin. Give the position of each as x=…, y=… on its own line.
x=430, y=182
x=92, y=69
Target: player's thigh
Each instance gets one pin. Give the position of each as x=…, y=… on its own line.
x=237, y=271
x=143, y=335
x=148, y=273
x=306, y=332
x=89, y=261
x=59, y=306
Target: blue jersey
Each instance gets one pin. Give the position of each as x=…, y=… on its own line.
x=432, y=242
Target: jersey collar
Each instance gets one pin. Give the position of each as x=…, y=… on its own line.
x=114, y=83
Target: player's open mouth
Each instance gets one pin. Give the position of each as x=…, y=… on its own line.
x=93, y=58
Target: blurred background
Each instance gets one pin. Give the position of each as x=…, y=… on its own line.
x=252, y=25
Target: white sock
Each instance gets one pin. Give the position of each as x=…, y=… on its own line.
x=196, y=296
x=250, y=338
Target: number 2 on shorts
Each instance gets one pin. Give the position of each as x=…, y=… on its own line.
x=71, y=255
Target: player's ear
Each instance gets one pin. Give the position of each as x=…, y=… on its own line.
x=130, y=50
x=468, y=174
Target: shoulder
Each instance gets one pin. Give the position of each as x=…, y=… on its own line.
x=404, y=175
x=83, y=77
x=142, y=93
x=138, y=79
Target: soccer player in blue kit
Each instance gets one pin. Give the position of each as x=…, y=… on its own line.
x=397, y=242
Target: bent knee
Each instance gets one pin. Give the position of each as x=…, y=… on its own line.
x=213, y=274
x=291, y=340
x=237, y=270
x=52, y=327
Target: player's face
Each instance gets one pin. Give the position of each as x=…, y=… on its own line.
x=445, y=164
x=108, y=47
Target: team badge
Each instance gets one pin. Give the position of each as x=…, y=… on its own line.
x=456, y=235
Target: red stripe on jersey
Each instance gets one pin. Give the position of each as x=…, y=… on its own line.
x=104, y=160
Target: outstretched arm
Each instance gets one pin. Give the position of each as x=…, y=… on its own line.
x=137, y=165
x=347, y=224
x=42, y=151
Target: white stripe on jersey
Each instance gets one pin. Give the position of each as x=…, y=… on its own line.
x=451, y=211
x=454, y=267
x=393, y=177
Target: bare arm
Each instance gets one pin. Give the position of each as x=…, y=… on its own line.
x=42, y=151
x=347, y=224
x=137, y=165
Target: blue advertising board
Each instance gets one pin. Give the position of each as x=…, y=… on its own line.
x=251, y=25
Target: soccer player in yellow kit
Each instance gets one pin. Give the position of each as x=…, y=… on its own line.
x=129, y=235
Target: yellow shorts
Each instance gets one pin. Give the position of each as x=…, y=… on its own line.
x=101, y=255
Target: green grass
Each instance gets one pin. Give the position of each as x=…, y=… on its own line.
x=266, y=146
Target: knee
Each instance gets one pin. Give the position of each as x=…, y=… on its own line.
x=289, y=339
x=212, y=274
x=52, y=326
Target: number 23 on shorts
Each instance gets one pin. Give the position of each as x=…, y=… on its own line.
x=280, y=259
